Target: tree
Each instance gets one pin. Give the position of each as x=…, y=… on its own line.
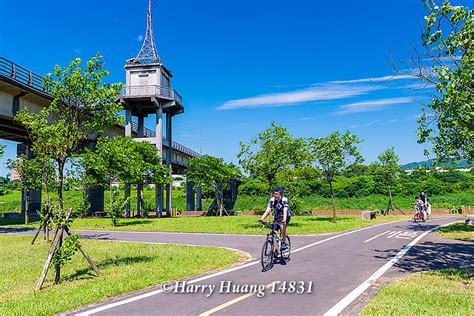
x=122, y=158
x=448, y=121
x=271, y=151
x=389, y=170
x=2, y=148
x=82, y=107
x=333, y=154
x=212, y=171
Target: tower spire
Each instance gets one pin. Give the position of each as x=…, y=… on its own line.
x=148, y=53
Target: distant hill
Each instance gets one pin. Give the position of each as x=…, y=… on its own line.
x=429, y=163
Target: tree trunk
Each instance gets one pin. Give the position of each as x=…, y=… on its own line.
x=334, y=218
x=60, y=186
x=57, y=276
x=27, y=202
x=390, y=201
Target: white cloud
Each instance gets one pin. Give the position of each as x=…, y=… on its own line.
x=371, y=105
x=140, y=38
x=315, y=93
x=376, y=79
x=372, y=123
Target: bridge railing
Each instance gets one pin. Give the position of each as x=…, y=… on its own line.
x=21, y=74
x=149, y=133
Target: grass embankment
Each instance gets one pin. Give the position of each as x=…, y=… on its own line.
x=369, y=202
x=125, y=267
x=458, y=231
x=231, y=224
x=444, y=292
x=11, y=202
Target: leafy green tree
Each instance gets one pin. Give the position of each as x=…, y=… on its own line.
x=333, y=154
x=82, y=107
x=211, y=171
x=30, y=177
x=122, y=158
x=2, y=148
x=448, y=121
x=390, y=170
x=273, y=150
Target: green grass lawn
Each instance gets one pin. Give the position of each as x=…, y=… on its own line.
x=125, y=266
x=458, y=231
x=444, y=292
x=228, y=224
x=12, y=200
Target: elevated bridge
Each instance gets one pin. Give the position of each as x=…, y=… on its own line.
x=21, y=88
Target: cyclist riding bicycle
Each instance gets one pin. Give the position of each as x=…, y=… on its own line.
x=281, y=213
x=420, y=207
x=424, y=198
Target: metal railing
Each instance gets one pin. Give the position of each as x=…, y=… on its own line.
x=155, y=90
x=21, y=74
x=149, y=133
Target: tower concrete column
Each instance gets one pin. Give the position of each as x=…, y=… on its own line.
x=169, y=157
x=159, y=146
x=128, y=132
x=140, y=196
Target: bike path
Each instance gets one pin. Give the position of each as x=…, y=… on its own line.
x=335, y=263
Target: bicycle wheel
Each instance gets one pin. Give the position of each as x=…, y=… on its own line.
x=286, y=253
x=267, y=255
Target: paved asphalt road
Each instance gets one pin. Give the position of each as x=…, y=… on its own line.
x=329, y=267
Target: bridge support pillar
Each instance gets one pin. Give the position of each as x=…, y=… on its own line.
x=140, y=200
x=198, y=199
x=169, y=157
x=190, y=196
x=95, y=199
x=34, y=201
x=159, y=200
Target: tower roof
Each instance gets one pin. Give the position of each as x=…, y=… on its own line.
x=148, y=53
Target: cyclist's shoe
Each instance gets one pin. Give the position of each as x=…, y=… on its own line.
x=260, y=221
x=284, y=246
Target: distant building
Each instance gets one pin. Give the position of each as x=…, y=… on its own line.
x=15, y=175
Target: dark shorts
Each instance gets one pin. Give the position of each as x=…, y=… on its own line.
x=276, y=223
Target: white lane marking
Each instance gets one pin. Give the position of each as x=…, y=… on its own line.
x=349, y=298
x=394, y=234
x=232, y=302
x=155, y=292
x=376, y=236
x=407, y=235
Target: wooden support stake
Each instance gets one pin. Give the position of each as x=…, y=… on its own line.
x=43, y=224
x=88, y=258
x=57, y=237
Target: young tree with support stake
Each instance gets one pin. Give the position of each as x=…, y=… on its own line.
x=389, y=170
x=82, y=107
x=333, y=154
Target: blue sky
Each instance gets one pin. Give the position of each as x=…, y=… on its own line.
x=311, y=66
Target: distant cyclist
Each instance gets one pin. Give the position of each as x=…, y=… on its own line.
x=424, y=198
x=281, y=212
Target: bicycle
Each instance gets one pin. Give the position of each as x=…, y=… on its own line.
x=272, y=248
x=420, y=214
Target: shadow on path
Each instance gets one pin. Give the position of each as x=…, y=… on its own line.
x=433, y=256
